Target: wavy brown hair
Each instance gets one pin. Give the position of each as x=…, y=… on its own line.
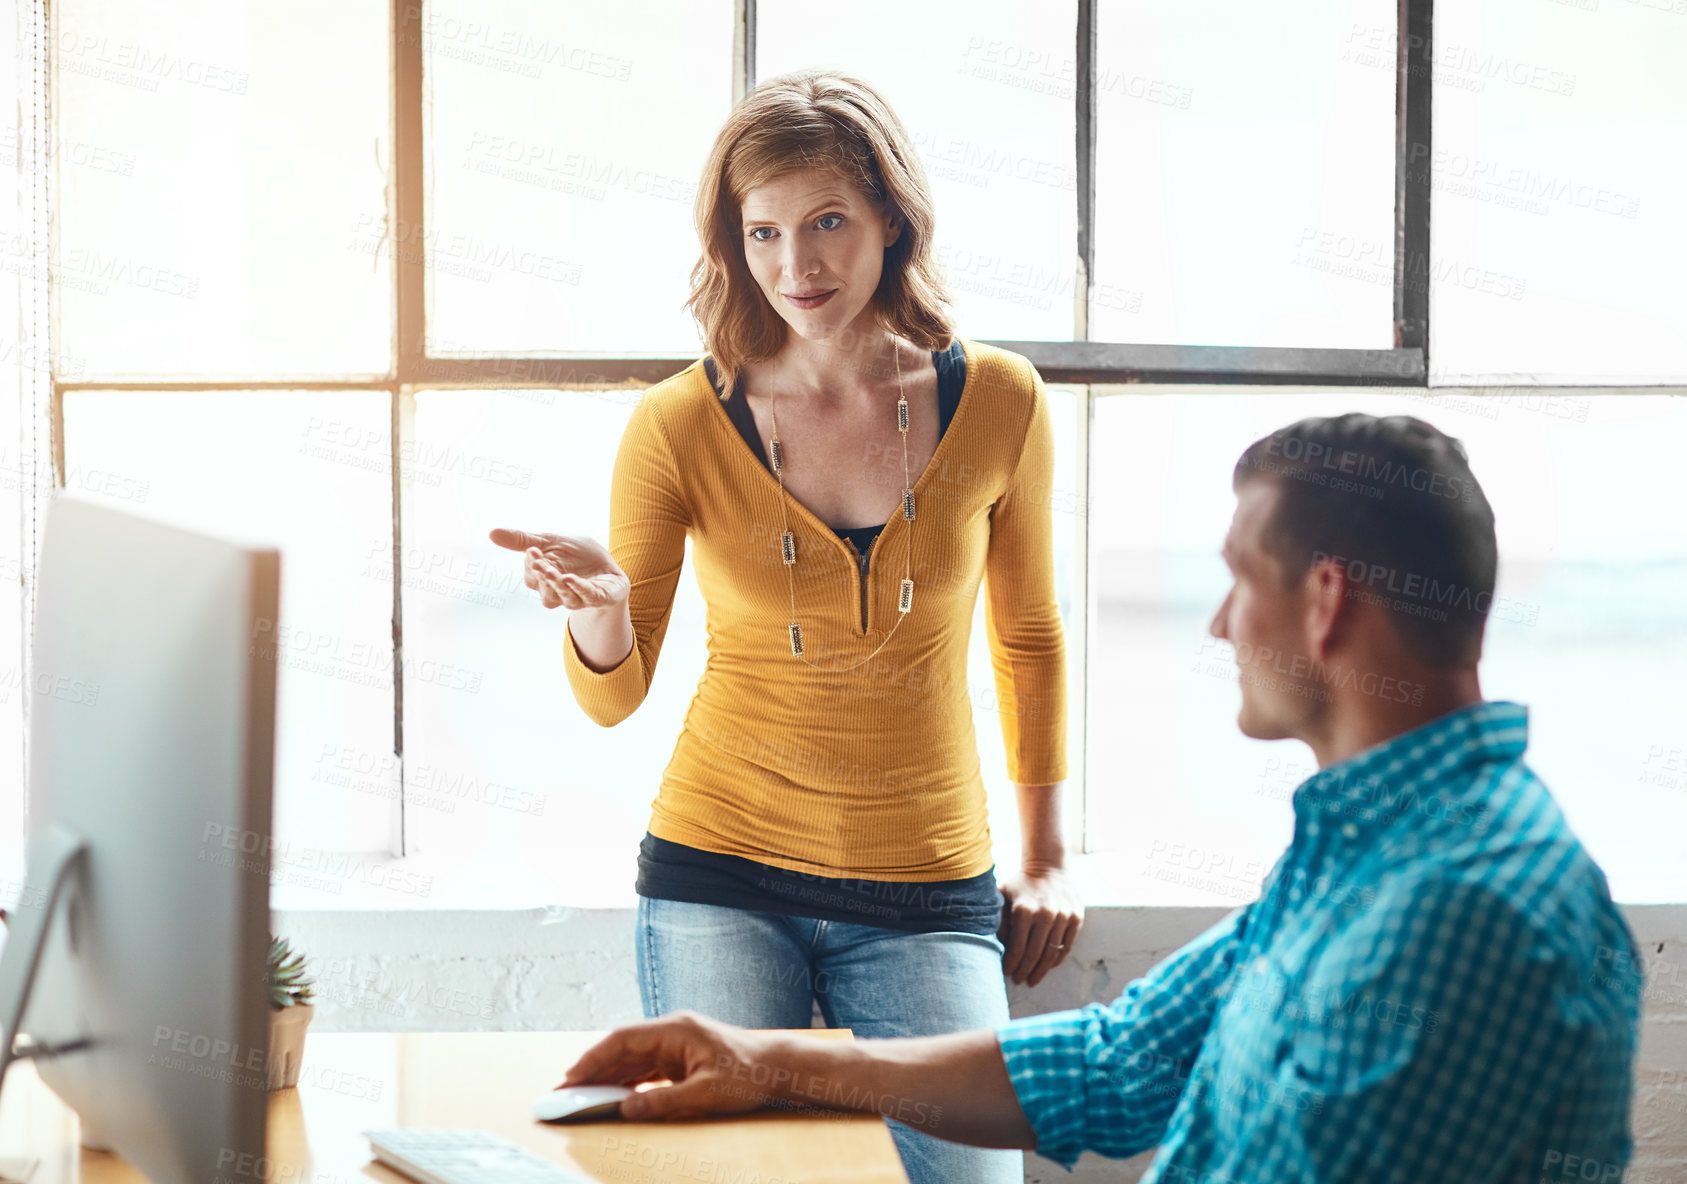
x=812, y=119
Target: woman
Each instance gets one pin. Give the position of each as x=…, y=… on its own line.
x=848, y=473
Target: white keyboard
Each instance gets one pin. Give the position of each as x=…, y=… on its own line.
x=465, y=1157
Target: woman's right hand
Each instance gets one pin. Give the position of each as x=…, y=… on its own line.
x=571, y=573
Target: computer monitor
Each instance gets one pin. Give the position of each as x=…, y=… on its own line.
x=136, y=957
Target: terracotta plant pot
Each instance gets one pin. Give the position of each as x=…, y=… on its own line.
x=287, y=1043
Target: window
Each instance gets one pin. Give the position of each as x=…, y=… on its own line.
x=221, y=190
x=376, y=290
x=515, y=766
x=500, y=760
x=1245, y=182
x=564, y=144
x=986, y=91
x=1587, y=627
x=23, y=377
x=311, y=472
x=1066, y=406
x=1557, y=236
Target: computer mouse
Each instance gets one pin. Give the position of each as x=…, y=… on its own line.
x=581, y=1103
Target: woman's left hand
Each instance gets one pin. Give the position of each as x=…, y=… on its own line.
x=1041, y=916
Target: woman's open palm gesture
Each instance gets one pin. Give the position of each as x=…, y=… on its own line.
x=567, y=572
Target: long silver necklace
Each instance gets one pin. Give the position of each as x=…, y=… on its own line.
x=788, y=540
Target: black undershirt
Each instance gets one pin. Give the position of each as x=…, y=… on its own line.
x=674, y=871
x=951, y=368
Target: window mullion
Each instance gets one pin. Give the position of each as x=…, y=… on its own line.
x=1077, y=649
x=1084, y=97
x=403, y=406
x=406, y=233
x=743, y=48
x=1411, y=177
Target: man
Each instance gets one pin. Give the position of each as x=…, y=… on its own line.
x=1432, y=985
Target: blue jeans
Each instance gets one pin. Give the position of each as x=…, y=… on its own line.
x=767, y=970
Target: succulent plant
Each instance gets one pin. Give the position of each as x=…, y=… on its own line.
x=289, y=984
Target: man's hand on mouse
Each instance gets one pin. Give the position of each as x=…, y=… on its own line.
x=715, y=1068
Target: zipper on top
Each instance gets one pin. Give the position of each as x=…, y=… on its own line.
x=863, y=567
x=866, y=566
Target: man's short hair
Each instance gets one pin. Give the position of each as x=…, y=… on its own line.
x=1392, y=499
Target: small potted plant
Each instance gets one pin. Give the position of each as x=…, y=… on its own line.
x=289, y=1012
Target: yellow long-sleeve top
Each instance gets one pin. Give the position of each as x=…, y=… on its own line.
x=870, y=773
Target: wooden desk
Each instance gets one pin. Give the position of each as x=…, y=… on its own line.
x=351, y=1082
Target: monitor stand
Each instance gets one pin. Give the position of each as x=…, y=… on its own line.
x=53, y=855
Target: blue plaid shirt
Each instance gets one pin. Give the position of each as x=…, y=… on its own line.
x=1433, y=986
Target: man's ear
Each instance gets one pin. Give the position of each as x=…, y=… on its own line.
x=1326, y=589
